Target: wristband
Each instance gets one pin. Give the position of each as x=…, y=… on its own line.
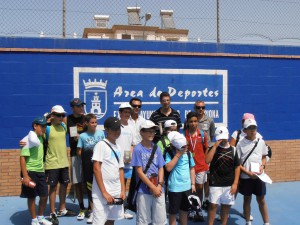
x=161, y=183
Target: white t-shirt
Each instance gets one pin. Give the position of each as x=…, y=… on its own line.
x=109, y=168
x=243, y=134
x=136, y=124
x=243, y=149
x=126, y=140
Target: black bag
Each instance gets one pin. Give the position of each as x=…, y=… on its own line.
x=134, y=186
x=269, y=151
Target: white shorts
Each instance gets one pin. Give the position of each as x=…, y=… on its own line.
x=201, y=177
x=150, y=210
x=76, y=169
x=221, y=195
x=103, y=212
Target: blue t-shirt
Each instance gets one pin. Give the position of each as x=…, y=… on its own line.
x=87, y=141
x=180, y=178
x=140, y=157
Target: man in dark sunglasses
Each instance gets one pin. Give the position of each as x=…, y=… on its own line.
x=136, y=119
x=205, y=123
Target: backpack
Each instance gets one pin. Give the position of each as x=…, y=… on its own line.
x=46, y=138
x=134, y=186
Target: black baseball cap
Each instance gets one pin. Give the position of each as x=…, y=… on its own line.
x=112, y=123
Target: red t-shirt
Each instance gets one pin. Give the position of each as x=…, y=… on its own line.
x=196, y=148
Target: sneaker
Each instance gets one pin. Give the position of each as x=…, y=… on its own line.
x=219, y=217
x=65, y=212
x=90, y=219
x=127, y=215
x=53, y=219
x=81, y=215
x=44, y=221
x=205, y=205
x=251, y=217
x=199, y=217
x=191, y=214
x=35, y=222
x=88, y=213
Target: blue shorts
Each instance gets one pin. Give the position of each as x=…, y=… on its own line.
x=247, y=187
x=41, y=188
x=127, y=173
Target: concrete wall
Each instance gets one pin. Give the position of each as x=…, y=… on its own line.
x=36, y=74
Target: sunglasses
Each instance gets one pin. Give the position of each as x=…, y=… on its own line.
x=59, y=115
x=136, y=106
x=200, y=107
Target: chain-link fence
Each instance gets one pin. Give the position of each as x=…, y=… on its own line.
x=229, y=21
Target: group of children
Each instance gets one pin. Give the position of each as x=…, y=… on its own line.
x=185, y=158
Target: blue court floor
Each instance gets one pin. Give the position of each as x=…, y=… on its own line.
x=283, y=201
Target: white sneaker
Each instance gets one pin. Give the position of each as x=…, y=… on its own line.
x=81, y=215
x=90, y=219
x=35, y=222
x=251, y=217
x=127, y=215
x=44, y=221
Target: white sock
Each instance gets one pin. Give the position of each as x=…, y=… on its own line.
x=34, y=220
x=248, y=223
x=266, y=223
x=40, y=218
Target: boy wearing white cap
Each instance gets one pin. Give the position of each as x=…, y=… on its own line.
x=164, y=143
x=181, y=181
x=252, y=153
x=224, y=175
x=57, y=163
x=150, y=200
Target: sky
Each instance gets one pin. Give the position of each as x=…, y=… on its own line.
x=270, y=22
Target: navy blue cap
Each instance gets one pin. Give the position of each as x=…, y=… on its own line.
x=40, y=120
x=76, y=102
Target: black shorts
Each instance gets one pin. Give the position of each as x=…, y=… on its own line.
x=250, y=186
x=178, y=201
x=87, y=165
x=54, y=176
x=41, y=188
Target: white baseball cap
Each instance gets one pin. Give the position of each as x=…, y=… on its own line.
x=170, y=123
x=249, y=122
x=58, y=109
x=222, y=133
x=148, y=124
x=125, y=105
x=177, y=139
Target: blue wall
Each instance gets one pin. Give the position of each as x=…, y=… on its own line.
x=32, y=82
